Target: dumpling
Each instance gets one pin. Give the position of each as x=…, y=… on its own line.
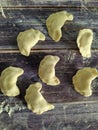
x=55, y=22
x=35, y=101
x=82, y=80
x=8, y=80
x=84, y=42
x=47, y=70
x=27, y=39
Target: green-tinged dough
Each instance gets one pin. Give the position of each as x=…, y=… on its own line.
x=55, y=22
x=8, y=80
x=28, y=39
x=84, y=42
x=35, y=101
x=82, y=80
x=47, y=70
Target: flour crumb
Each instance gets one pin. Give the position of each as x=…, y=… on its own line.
x=2, y=11
x=1, y=106
x=4, y=129
x=9, y=108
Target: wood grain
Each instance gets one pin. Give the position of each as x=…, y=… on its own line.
x=70, y=62
x=44, y=3
x=72, y=117
x=18, y=20
x=72, y=111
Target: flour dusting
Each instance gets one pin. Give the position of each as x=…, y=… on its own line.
x=2, y=11
x=11, y=108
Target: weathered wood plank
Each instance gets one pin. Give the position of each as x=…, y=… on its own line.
x=64, y=117
x=21, y=19
x=70, y=62
x=32, y=3
x=72, y=111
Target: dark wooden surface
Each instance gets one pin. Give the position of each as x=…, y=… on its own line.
x=72, y=111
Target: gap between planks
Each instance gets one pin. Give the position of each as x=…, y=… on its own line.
x=43, y=50
x=35, y=50
x=77, y=102
x=45, y=7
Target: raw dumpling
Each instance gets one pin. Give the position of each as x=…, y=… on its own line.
x=8, y=81
x=55, y=22
x=47, y=70
x=35, y=100
x=84, y=41
x=82, y=80
x=27, y=39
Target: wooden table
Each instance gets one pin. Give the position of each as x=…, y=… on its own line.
x=72, y=111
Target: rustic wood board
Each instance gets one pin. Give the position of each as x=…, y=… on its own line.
x=70, y=62
x=25, y=18
x=72, y=111
x=59, y=3
x=70, y=107
x=65, y=117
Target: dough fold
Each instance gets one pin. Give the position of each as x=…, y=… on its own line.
x=47, y=70
x=8, y=81
x=28, y=39
x=55, y=22
x=82, y=80
x=35, y=101
x=84, y=42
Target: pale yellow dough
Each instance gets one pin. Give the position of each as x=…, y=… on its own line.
x=47, y=70
x=84, y=42
x=35, y=100
x=55, y=22
x=27, y=39
x=82, y=80
x=8, y=81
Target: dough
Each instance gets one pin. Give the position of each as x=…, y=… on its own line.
x=27, y=39
x=47, y=70
x=84, y=41
x=82, y=80
x=55, y=22
x=35, y=100
x=8, y=81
